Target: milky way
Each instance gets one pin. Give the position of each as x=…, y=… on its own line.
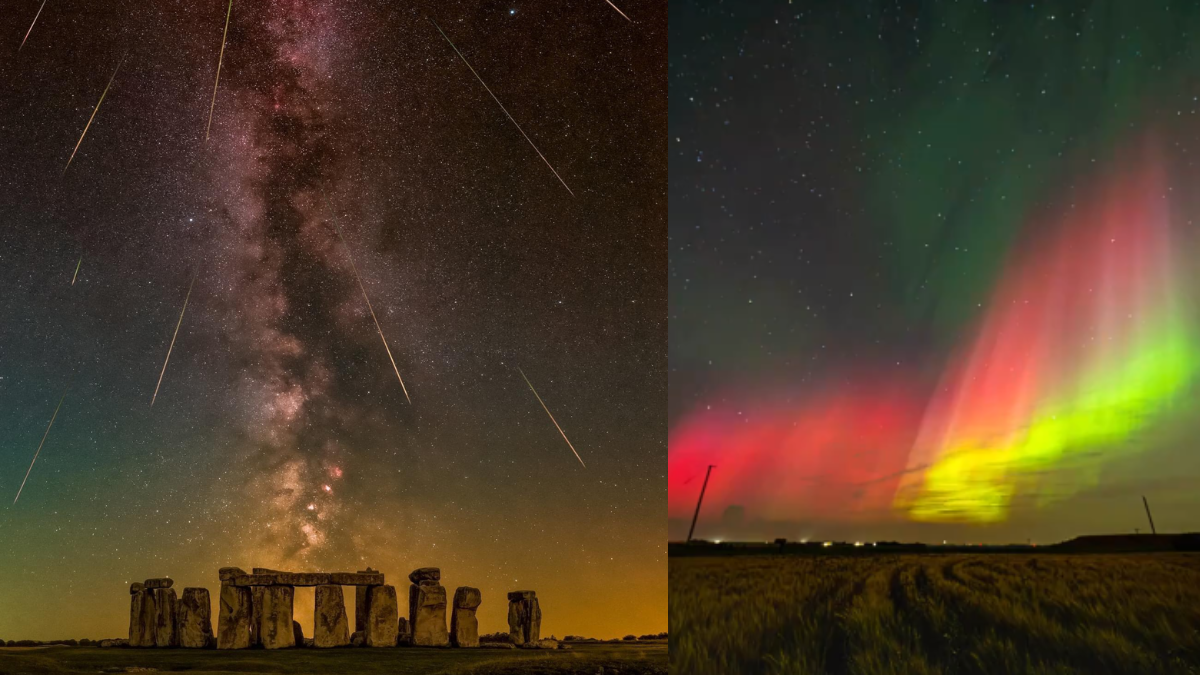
x=295, y=315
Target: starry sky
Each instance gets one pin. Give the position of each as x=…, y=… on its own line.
x=280, y=436
x=932, y=269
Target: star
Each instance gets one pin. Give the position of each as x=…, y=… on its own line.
x=273, y=422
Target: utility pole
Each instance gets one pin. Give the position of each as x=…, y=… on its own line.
x=700, y=501
x=1147, y=504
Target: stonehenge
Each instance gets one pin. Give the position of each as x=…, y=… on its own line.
x=427, y=608
x=417, y=576
x=524, y=617
x=165, y=604
x=275, y=618
x=464, y=628
x=403, y=635
x=143, y=618
x=256, y=603
x=194, y=619
x=234, y=619
x=360, y=603
x=382, y=625
x=256, y=611
x=330, y=628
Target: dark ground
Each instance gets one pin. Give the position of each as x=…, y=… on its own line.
x=625, y=659
x=936, y=614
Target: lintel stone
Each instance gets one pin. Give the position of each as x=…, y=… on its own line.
x=307, y=579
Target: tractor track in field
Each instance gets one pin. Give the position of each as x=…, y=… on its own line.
x=953, y=614
x=909, y=590
x=836, y=654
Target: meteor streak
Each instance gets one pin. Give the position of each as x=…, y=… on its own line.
x=35, y=18
x=618, y=10
x=177, y=324
x=218, y=80
x=510, y=117
x=89, y=122
x=372, y=310
x=39, y=448
x=564, y=435
x=76, y=276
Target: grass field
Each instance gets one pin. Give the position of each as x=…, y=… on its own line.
x=1136, y=614
x=609, y=659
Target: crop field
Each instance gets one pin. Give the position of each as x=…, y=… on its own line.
x=913, y=614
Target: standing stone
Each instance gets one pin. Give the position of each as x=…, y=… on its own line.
x=256, y=603
x=275, y=618
x=524, y=617
x=165, y=605
x=136, y=587
x=360, y=603
x=403, y=637
x=233, y=623
x=195, y=619
x=382, y=621
x=143, y=619
x=360, y=608
x=427, y=614
x=297, y=633
x=464, y=627
x=330, y=627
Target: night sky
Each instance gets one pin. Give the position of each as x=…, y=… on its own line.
x=281, y=436
x=932, y=269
